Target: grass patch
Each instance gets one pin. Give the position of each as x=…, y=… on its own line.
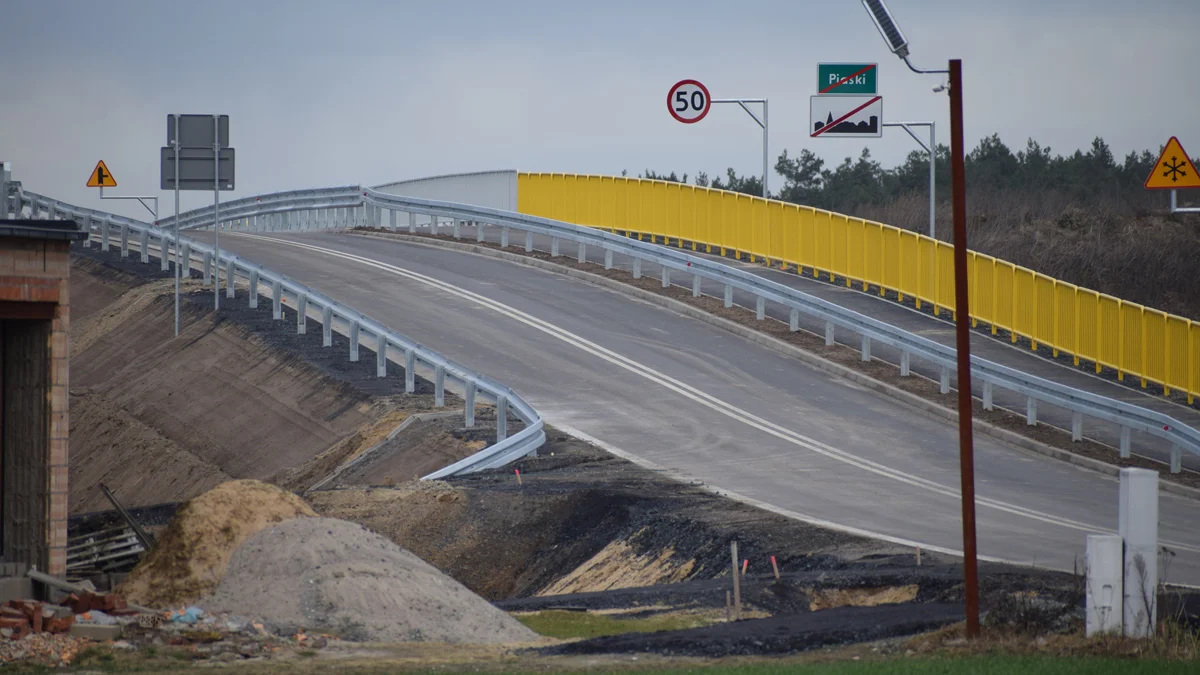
x=564, y=625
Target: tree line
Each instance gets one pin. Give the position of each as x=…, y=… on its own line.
x=990, y=166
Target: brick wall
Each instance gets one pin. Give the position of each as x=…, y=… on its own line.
x=38, y=271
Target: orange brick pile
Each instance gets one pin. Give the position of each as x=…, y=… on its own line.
x=23, y=617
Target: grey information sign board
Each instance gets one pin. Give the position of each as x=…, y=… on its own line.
x=196, y=131
x=196, y=168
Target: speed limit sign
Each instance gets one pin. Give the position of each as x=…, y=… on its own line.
x=689, y=101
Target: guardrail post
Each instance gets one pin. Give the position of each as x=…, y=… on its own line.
x=381, y=355
x=164, y=253
x=412, y=223
x=143, y=244
x=469, y=408
x=433, y=224
x=866, y=348
x=828, y=333
x=905, y=365
x=608, y=259
x=439, y=386
x=104, y=236
x=581, y=256
x=410, y=371
x=392, y=219
x=457, y=226
x=124, y=240
x=230, y=291
x=353, y=341
x=326, y=326
x=276, y=300
x=1031, y=411
x=1176, y=459
x=1125, y=443
x=478, y=231
x=504, y=237
x=553, y=247
x=637, y=268
x=207, y=268
x=528, y=242
x=760, y=308
x=728, y=296
x=253, y=289
x=793, y=318
x=666, y=276
x=184, y=259
x=501, y=418
x=301, y=314
x=987, y=396
x=1077, y=427
x=944, y=384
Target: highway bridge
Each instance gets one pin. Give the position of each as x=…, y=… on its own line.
x=702, y=403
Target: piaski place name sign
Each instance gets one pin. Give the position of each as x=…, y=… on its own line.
x=847, y=104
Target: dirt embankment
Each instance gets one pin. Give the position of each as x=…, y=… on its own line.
x=237, y=395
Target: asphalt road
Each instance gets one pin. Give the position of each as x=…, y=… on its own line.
x=702, y=403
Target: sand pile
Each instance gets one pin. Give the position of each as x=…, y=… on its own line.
x=190, y=557
x=334, y=576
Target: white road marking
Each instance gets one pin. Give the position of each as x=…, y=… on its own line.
x=701, y=397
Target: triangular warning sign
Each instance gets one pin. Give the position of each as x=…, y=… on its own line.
x=101, y=177
x=1174, y=169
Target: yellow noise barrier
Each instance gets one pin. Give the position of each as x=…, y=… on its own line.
x=1123, y=336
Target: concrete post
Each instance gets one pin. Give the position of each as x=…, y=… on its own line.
x=1138, y=527
x=637, y=268
x=794, y=320
x=829, y=335
x=866, y=348
x=439, y=386
x=504, y=237
x=1125, y=450
x=143, y=244
x=582, y=257
x=276, y=300
x=469, y=408
x=301, y=314
x=760, y=308
x=905, y=364
x=1176, y=459
x=944, y=381
x=695, y=285
x=553, y=247
x=124, y=240
x=1077, y=427
x=410, y=371
x=666, y=276
x=381, y=355
x=327, y=326
x=230, y=287
x=353, y=341
x=728, y=296
x=528, y=242
x=1031, y=411
x=608, y=259
x=253, y=289
x=501, y=418
x=1104, y=590
x=987, y=396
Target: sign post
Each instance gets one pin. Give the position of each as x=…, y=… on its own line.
x=198, y=157
x=689, y=102
x=1173, y=170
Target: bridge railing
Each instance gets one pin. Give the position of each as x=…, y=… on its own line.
x=160, y=242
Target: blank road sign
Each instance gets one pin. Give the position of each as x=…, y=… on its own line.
x=196, y=131
x=846, y=116
x=196, y=170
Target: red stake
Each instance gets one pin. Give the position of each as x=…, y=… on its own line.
x=518, y=472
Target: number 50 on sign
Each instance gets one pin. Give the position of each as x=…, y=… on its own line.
x=688, y=101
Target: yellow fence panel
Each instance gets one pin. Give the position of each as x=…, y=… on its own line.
x=1145, y=343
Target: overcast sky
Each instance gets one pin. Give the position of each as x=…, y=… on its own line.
x=328, y=93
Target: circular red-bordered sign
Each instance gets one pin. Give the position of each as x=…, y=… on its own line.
x=688, y=101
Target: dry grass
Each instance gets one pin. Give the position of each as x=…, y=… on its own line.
x=1109, y=245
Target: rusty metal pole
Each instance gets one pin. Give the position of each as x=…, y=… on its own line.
x=962, y=326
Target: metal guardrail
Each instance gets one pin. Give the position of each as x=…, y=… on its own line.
x=506, y=449
x=1081, y=403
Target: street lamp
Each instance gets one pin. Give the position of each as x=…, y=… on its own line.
x=899, y=46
